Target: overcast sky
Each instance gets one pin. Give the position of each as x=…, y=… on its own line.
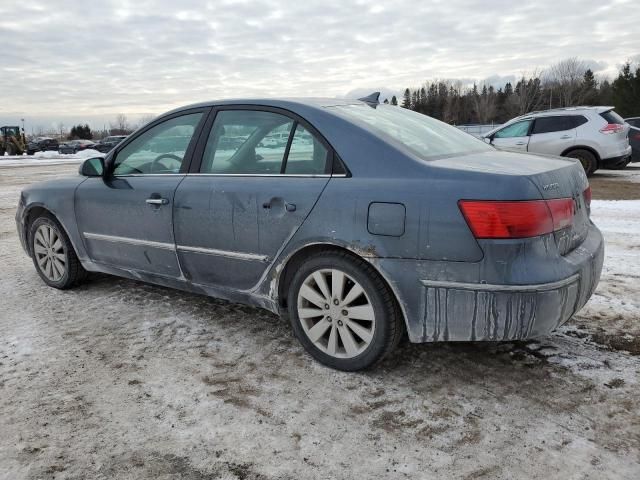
x=94, y=59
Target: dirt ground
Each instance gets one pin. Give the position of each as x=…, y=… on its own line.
x=118, y=379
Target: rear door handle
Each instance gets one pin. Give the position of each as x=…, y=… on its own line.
x=565, y=137
x=157, y=201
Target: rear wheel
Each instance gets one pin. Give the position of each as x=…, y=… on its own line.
x=53, y=256
x=342, y=311
x=587, y=159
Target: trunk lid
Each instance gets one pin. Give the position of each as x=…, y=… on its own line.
x=554, y=177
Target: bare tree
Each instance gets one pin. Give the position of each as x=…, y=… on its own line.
x=144, y=119
x=120, y=126
x=527, y=95
x=566, y=78
x=61, y=130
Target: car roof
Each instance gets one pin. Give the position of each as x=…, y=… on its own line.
x=293, y=103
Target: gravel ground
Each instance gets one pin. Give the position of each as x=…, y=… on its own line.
x=118, y=379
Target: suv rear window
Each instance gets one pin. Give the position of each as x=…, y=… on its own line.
x=424, y=136
x=612, y=117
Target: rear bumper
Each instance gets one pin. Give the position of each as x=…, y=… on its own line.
x=616, y=161
x=450, y=310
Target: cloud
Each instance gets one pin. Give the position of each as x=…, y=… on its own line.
x=100, y=58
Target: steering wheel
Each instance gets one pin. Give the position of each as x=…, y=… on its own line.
x=157, y=162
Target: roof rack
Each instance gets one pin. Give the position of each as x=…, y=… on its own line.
x=564, y=109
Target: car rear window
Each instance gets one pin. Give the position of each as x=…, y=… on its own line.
x=612, y=117
x=426, y=137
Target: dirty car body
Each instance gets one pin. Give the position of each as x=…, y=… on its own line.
x=378, y=188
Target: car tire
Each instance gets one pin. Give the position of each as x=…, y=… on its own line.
x=53, y=255
x=587, y=159
x=339, y=327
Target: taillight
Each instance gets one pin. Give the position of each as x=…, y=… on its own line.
x=518, y=219
x=587, y=197
x=612, y=128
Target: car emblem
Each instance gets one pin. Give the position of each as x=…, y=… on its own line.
x=551, y=186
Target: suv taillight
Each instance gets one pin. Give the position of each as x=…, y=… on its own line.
x=517, y=219
x=612, y=128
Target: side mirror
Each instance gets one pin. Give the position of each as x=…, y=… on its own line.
x=92, y=167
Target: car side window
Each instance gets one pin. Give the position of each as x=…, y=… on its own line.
x=160, y=150
x=247, y=142
x=306, y=155
x=557, y=123
x=518, y=129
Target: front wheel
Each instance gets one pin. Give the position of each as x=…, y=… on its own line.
x=587, y=159
x=53, y=256
x=343, y=312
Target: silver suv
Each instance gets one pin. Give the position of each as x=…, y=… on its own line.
x=597, y=136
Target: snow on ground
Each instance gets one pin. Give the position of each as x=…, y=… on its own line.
x=47, y=158
x=118, y=379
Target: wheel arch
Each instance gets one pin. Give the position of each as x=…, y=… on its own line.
x=34, y=211
x=297, y=258
x=582, y=147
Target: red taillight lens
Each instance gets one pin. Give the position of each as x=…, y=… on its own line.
x=612, y=128
x=587, y=197
x=520, y=219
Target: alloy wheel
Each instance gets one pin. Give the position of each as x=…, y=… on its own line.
x=50, y=254
x=336, y=313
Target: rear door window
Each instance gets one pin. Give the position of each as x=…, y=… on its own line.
x=246, y=142
x=556, y=123
x=307, y=156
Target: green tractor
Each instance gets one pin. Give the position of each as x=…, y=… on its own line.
x=12, y=141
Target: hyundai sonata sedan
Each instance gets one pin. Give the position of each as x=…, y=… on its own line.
x=371, y=222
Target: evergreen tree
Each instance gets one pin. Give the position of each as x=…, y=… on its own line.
x=394, y=100
x=625, y=91
x=589, y=92
x=406, y=102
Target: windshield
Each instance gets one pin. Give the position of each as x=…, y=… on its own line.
x=426, y=137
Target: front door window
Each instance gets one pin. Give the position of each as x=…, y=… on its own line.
x=159, y=150
x=518, y=129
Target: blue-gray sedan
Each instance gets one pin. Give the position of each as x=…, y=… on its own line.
x=358, y=221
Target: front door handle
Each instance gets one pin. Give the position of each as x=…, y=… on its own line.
x=521, y=143
x=277, y=203
x=157, y=201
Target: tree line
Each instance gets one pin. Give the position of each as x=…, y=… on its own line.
x=567, y=83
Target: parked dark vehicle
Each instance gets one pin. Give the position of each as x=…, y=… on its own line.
x=108, y=143
x=371, y=221
x=42, y=144
x=74, y=146
x=634, y=137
